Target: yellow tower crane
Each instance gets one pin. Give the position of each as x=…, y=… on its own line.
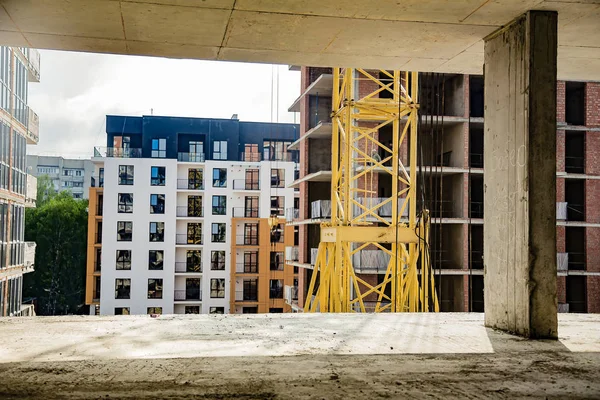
x=364, y=102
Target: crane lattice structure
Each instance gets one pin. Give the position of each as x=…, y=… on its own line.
x=364, y=102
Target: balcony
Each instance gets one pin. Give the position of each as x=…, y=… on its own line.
x=187, y=268
x=191, y=157
x=292, y=253
x=188, y=295
x=246, y=240
x=245, y=295
x=292, y=214
x=250, y=157
x=320, y=209
x=31, y=191
x=29, y=255
x=186, y=184
x=245, y=268
x=97, y=181
x=184, y=211
x=188, y=240
x=33, y=64
x=117, y=152
x=245, y=184
x=243, y=212
x=33, y=127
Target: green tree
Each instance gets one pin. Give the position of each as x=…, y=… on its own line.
x=45, y=190
x=59, y=227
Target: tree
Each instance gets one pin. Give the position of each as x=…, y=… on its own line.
x=45, y=190
x=59, y=227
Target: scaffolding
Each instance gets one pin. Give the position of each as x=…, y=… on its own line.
x=364, y=102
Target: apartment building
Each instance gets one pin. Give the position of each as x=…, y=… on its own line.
x=19, y=126
x=187, y=216
x=451, y=169
x=71, y=175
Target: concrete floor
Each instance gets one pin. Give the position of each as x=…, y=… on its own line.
x=294, y=356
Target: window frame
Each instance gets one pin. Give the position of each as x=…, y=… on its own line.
x=125, y=262
x=124, y=228
x=156, y=262
x=217, y=263
x=159, y=236
x=126, y=175
x=123, y=286
x=156, y=179
x=161, y=148
x=220, y=149
x=215, y=290
x=152, y=206
x=155, y=291
x=221, y=207
x=220, y=181
x=221, y=235
x=122, y=205
x=278, y=179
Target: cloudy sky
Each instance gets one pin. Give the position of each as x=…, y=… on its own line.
x=77, y=90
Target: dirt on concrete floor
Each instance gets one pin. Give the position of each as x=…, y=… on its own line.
x=548, y=374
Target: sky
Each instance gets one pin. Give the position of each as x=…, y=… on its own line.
x=77, y=90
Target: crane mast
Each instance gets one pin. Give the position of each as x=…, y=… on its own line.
x=364, y=102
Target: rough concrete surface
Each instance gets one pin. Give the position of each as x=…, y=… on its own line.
x=294, y=356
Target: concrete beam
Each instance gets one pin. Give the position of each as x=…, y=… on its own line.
x=520, y=183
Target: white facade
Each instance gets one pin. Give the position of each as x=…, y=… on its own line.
x=176, y=220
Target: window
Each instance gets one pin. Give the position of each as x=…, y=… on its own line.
x=159, y=148
x=123, y=259
x=251, y=262
x=277, y=233
x=251, y=234
x=157, y=176
x=219, y=177
x=251, y=152
x=218, y=232
x=195, y=179
x=193, y=261
x=220, y=150
x=194, y=206
x=276, y=261
x=157, y=231
x=217, y=260
x=122, y=288
x=124, y=229
x=125, y=203
x=196, y=153
x=192, y=289
x=155, y=288
x=251, y=207
x=276, y=289
x=125, y=174
x=277, y=178
x=121, y=310
x=217, y=288
x=252, y=181
x=250, y=290
x=192, y=309
x=194, y=233
x=154, y=310
x=219, y=205
x=216, y=310
x=157, y=204
x=277, y=204
x=155, y=259
x=277, y=151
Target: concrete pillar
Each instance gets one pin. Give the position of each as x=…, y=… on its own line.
x=520, y=176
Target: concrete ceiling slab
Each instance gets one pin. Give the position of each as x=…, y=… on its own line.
x=425, y=35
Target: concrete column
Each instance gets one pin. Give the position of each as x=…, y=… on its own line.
x=520, y=176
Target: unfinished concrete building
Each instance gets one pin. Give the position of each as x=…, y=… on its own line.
x=451, y=177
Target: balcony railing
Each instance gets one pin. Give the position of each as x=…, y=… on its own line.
x=185, y=239
x=184, y=267
x=292, y=214
x=184, y=211
x=117, y=152
x=277, y=156
x=243, y=268
x=97, y=181
x=190, y=157
x=188, y=295
x=246, y=184
x=246, y=240
x=243, y=295
x=243, y=212
x=320, y=209
x=187, y=184
x=292, y=253
x=250, y=157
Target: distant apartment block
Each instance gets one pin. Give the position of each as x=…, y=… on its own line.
x=451, y=162
x=71, y=175
x=19, y=126
x=187, y=216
